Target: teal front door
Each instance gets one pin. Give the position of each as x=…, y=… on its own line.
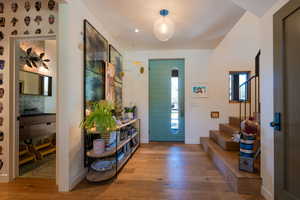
x=166, y=99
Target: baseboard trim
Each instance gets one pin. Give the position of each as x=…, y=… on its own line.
x=266, y=193
x=77, y=179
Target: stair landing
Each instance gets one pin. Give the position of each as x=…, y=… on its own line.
x=227, y=162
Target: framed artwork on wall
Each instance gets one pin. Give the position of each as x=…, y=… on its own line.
x=110, y=83
x=199, y=90
x=95, y=59
x=116, y=59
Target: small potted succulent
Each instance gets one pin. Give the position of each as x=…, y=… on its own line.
x=101, y=121
x=130, y=112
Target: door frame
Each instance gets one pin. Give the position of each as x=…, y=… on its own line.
x=279, y=59
x=13, y=88
x=185, y=97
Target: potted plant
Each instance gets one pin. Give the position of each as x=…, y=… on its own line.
x=129, y=112
x=102, y=120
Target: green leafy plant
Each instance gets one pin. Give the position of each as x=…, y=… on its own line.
x=101, y=118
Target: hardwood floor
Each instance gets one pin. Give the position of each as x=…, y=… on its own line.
x=158, y=171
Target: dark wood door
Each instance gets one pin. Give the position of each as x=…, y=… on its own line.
x=287, y=101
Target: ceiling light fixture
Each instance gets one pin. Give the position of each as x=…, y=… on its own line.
x=164, y=27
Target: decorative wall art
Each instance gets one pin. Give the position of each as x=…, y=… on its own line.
x=2, y=64
x=27, y=20
x=215, y=115
x=38, y=5
x=110, y=83
x=51, y=19
x=1, y=50
x=14, y=7
x=1, y=92
x=1, y=79
x=1, y=35
x=2, y=22
x=116, y=59
x=1, y=136
x=1, y=107
x=27, y=6
x=14, y=21
x=51, y=4
x=199, y=90
x=95, y=56
x=1, y=8
x=38, y=19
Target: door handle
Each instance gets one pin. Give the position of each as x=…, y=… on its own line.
x=276, y=124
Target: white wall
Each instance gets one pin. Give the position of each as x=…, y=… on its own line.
x=70, y=90
x=267, y=100
x=236, y=52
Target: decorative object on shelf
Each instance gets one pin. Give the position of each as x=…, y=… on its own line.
x=142, y=70
x=15, y=32
x=1, y=136
x=51, y=4
x=1, y=79
x=1, y=92
x=164, y=27
x=51, y=19
x=38, y=31
x=26, y=32
x=2, y=64
x=1, y=50
x=27, y=6
x=14, y=21
x=38, y=5
x=2, y=21
x=130, y=112
x=27, y=20
x=1, y=153
x=102, y=165
x=215, y=115
x=38, y=19
x=100, y=118
x=199, y=90
x=1, y=8
x=1, y=35
x=14, y=7
x=1, y=121
x=33, y=60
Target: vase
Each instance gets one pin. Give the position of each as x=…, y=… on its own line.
x=99, y=146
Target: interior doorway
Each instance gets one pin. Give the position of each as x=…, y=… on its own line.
x=286, y=100
x=35, y=100
x=166, y=100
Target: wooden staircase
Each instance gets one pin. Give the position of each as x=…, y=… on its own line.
x=225, y=155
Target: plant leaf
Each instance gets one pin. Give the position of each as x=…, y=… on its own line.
x=28, y=63
x=42, y=55
x=46, y=60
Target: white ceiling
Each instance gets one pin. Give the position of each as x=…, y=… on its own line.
x=199, y=23
x=257, y=7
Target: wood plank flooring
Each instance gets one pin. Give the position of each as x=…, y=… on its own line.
x=157, y=171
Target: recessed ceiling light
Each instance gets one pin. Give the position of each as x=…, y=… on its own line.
x=136, y=30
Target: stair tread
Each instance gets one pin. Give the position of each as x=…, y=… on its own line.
x=231, y=160
x=226, y=137
x=232, y=126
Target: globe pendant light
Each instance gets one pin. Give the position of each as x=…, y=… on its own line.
x=164, y=27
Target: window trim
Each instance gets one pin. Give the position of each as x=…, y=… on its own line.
x=248, y=89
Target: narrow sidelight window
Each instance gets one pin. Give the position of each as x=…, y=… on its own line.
x=174, y=101
x=238, y=90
